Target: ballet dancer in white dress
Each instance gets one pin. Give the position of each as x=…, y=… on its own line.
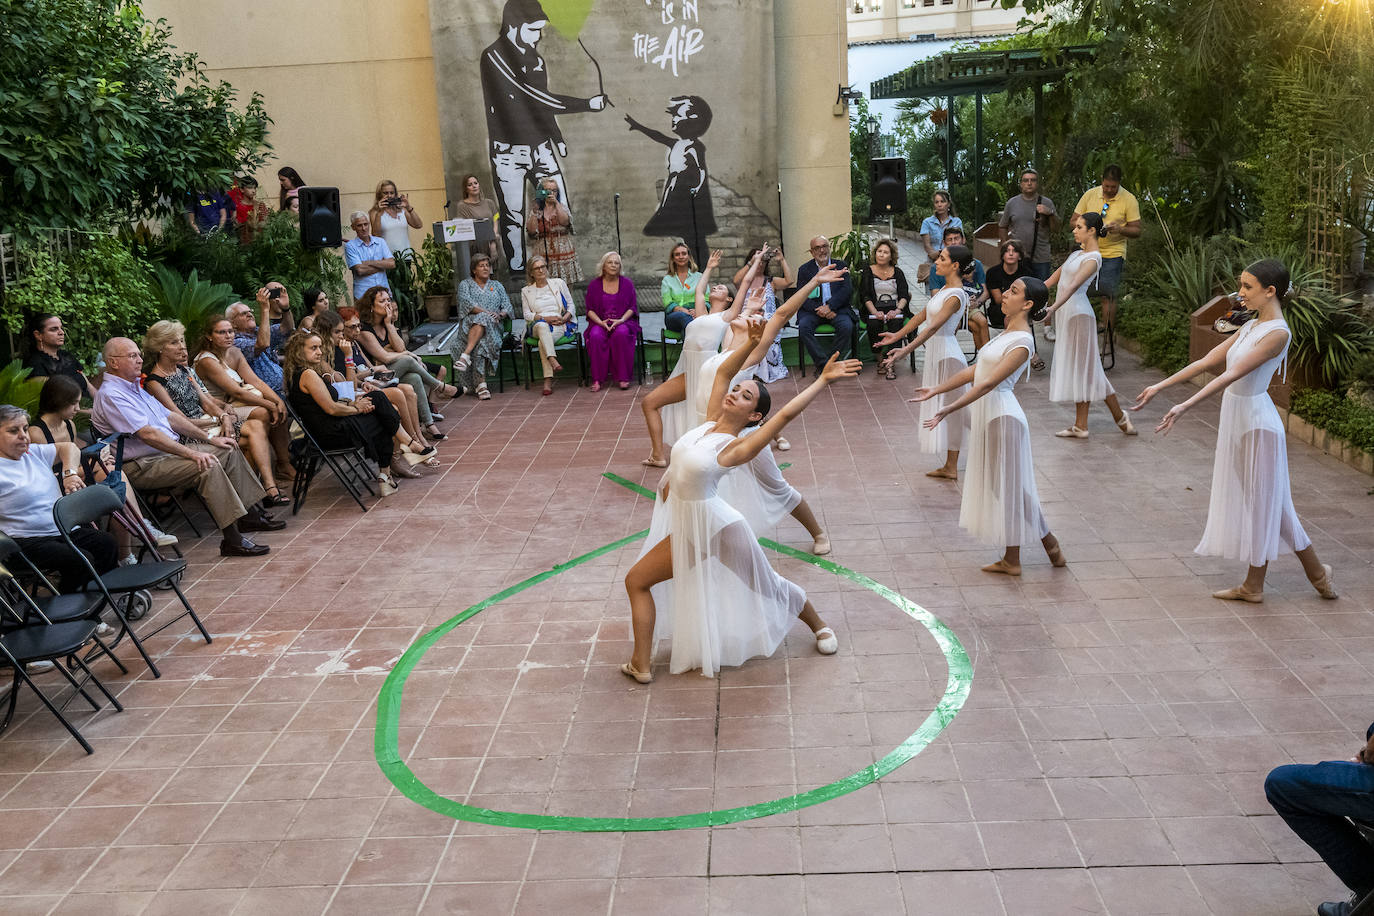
x=1250, y=515
x=666, y=414
x=1000, y=505
x=1076, y=373
x=702, y=582
x=941, y=320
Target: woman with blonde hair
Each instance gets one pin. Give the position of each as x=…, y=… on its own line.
x=392, y=217
x=546, y=303
x=612, y=323
x=678, y=289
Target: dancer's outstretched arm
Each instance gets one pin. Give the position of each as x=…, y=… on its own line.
x=1012, y=360
x=742, y=291
x=783, y=316
x=703, y=291
x=726, y=371
x=952, y=304
x=746, y=448
x=1268, y=347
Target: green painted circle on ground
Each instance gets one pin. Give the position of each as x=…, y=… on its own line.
x=387, y=742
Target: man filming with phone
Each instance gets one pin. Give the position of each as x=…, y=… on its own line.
x=257, y=338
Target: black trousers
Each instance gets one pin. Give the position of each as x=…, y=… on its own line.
x=53, y=556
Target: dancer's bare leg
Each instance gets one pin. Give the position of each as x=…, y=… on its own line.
x=654, y=567
x=950, y=469
x=807, y=518
x=1080, y=416
x=673, y=391
x=809, y=617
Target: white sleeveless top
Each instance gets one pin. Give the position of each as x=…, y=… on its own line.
x=395, y=231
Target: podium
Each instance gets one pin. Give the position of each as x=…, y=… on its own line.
x=483, y=232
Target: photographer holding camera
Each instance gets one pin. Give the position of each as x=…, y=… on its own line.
x=392, y=217
x=550, y=230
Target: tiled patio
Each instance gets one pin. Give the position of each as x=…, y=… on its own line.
x=1109, y=757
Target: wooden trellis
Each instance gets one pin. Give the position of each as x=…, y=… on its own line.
x=1326, y=231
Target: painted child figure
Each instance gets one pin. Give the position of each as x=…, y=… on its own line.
x=688, y=181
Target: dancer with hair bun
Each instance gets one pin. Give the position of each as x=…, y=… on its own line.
x=1076, y=374
x=941, y=320
x=1250, y=514
x=1000, y=504
x=702, y=581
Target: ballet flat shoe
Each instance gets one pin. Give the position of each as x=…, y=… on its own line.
x=821, y=546
x=642, y=677
x=1124, y=424
x=826, y=642
x=1073, y=432
x=1238, y=594
x=1323, y=585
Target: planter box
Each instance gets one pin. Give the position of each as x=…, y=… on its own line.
x=1346, y=453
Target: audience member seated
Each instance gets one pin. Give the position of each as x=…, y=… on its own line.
x=255, y=336
x=337, y=356
x=1319, y=801
x=678, y=289
x=229, y=378
x=57, y=403
x=177, y=387
x=45, y=337
x=316, y=302
x=379, y=374
x=886, y=297
x=484, y=306
x=383, y=344
x=28, y=490
x=612, y=323
x=169, y=450
x=369, y=422
x=547, y=303
x=828, y=304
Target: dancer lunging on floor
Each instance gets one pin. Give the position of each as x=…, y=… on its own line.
x=1000, y=505
x=940, y=321
x=1250, y=514
x=721, y=601
x=1076, y=374
x=665, y=413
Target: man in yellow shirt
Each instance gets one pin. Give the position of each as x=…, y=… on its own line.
x=1121, y=218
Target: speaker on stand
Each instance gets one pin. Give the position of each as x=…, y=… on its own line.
x=321, y=222
x=887, y=187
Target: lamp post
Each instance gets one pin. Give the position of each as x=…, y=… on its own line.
x=872, y=125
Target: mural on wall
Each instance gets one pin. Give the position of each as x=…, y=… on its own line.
x=523, y=138
x=684, y=211
x=547, y=71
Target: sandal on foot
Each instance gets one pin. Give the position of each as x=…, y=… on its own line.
x=821, y=546
x=399, y=468
x=629, y=670
x=891, y=372
x=1124, y=424
x=275, y=498
x=1239, y=594
x=483, y=392
x=826, y=642
x=1037, y=364
x=432, y=432
x=462, y=363
x=1073, y=432
x=624, y=386
x=1323, y=585
x=548, y=388
x=596, y=386
x=448, y=391
x=652, y=462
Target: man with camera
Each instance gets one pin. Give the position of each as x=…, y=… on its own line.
x=258, y=339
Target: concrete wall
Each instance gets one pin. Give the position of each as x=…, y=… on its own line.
x=349, y=85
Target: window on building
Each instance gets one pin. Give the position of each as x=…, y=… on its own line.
x=908, y=4
x=875, y=5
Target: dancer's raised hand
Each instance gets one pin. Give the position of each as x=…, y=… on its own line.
x=1144, y=397
x=753, y=302
x=714, y=260
x=921, y=394
x=836, y=368
x=756, y=325
x=1167, y=423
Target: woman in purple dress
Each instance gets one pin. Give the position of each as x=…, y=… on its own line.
x=613, y=323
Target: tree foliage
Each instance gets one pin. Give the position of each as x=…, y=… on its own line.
x=104, y=119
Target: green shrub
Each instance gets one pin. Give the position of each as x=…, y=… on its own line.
x=191, y=301
x=100, y=290
x=17, y=389
x=1161, y=331
x=1340, y=416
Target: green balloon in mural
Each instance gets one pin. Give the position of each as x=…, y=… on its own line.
x=568, y=16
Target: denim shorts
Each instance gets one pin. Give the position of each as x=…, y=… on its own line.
x=1109, y=277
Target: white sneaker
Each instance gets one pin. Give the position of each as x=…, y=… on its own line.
x=130, y=560
x=38, y=667
x=161, y=538
x=104, y=629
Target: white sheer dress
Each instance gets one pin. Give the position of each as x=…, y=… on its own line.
x=944, y=360
x=1000, y=505
x=1076, y=374
x=1250, y=515
x=700, y=342
x=724, y=604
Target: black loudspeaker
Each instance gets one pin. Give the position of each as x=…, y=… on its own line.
x=887, y=185
x=321, y=223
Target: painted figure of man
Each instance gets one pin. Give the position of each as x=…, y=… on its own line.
x=522, y=118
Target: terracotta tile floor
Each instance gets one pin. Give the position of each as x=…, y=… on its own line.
x=1109, y=758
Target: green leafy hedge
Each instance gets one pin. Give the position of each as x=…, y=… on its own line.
x=1343, y=417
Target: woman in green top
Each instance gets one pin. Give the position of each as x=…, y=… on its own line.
x=679, y=289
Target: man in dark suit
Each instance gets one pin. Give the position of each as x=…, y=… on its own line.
x=829, y=304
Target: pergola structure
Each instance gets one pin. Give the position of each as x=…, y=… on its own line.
x=978, y=73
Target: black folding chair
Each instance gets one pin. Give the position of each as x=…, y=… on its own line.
x=90, y=504
x=509, y=347
x=348, y=464
x=92, y=457
x=60, y=643
x=29, y=608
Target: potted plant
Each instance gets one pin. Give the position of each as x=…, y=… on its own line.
x=434, y=278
